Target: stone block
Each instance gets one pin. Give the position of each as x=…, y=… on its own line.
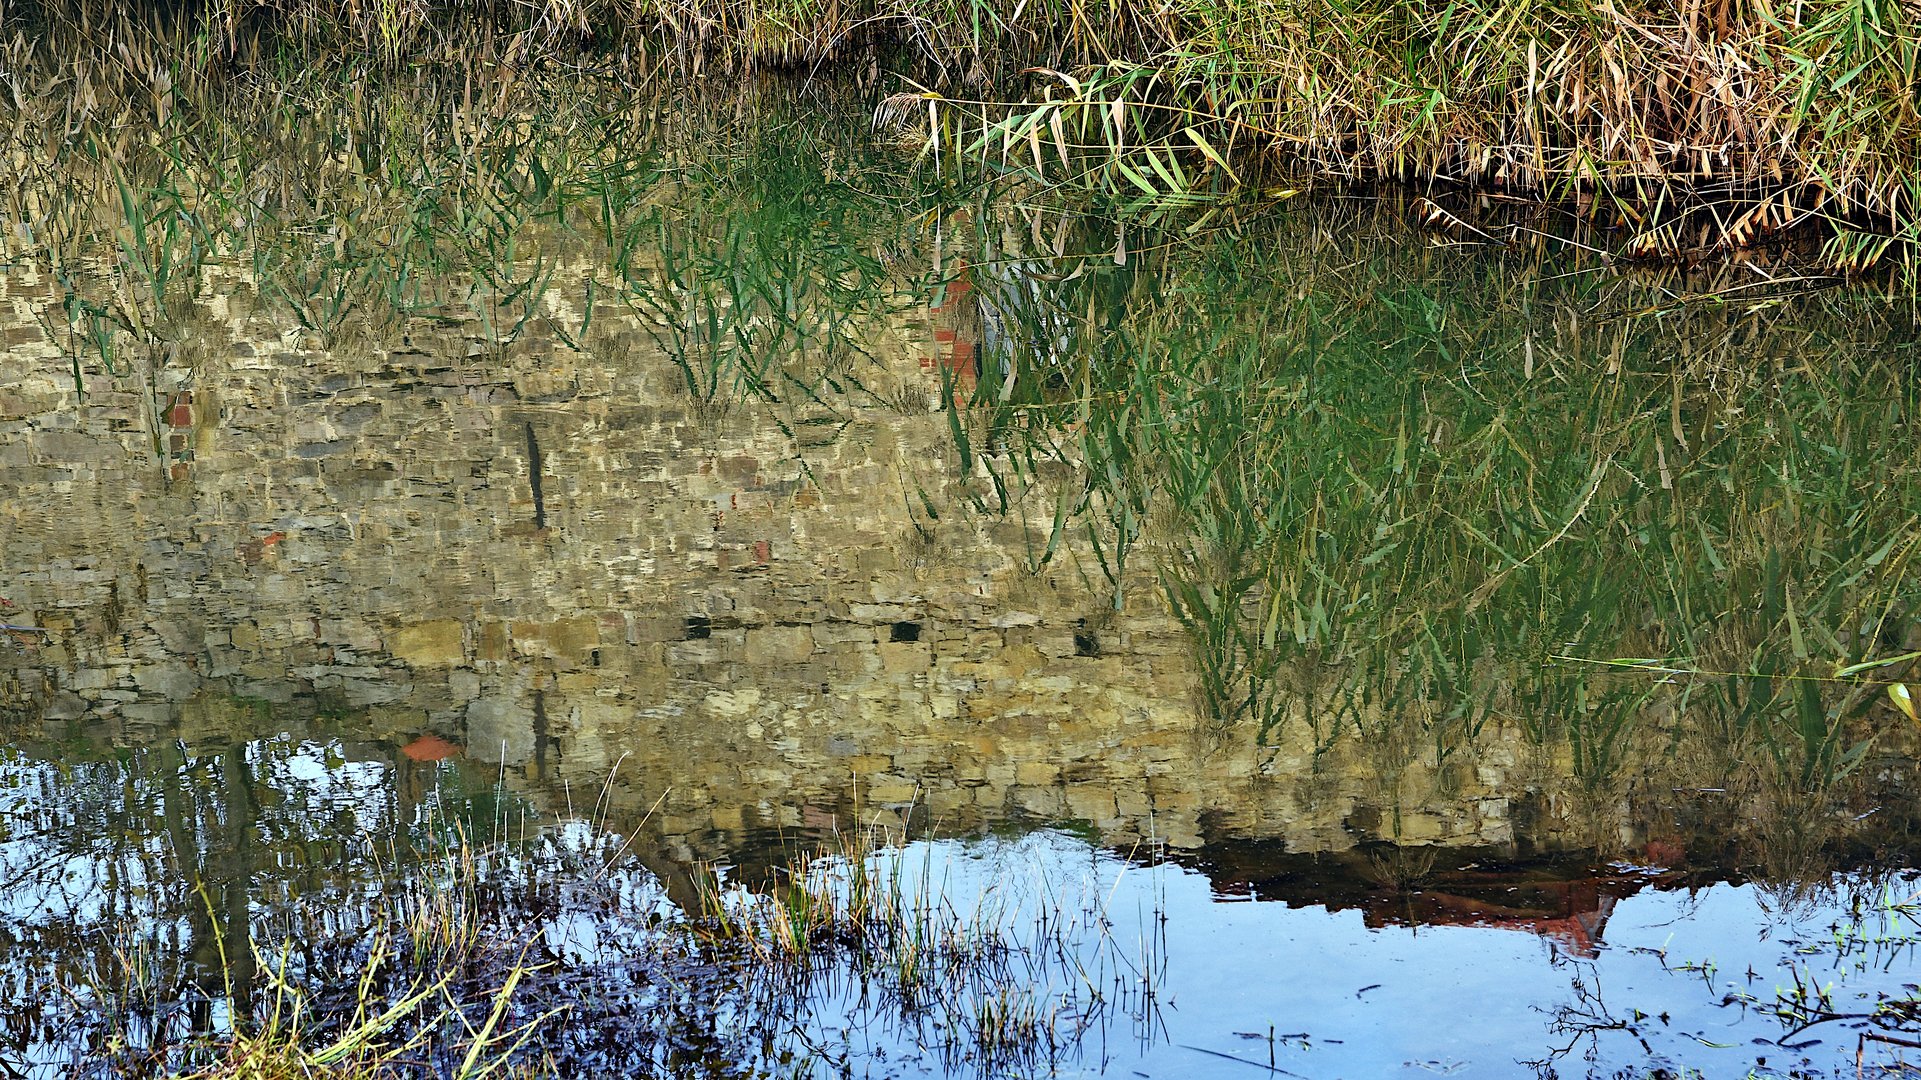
x=843, y=633
x=879, y=613
x=500, y=729
x=435, y=643
x=1421, y=828
x=463, y=685
x=494, y=643
x=1037, y=773
x=904, y=658
x=731, y=704
x=1091, y=802
x=361, y=693
x=890, y=791
x=169, y=682
x=63, y=705
x=779, y=644
x=945, y=801
x=353, y=633
x=156, y=714
x=569, y=641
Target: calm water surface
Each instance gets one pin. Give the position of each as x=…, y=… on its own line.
x=1322, y=647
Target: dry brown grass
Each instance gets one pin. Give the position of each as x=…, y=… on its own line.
x=1693, y=129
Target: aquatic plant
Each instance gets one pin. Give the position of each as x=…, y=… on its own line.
x=367, y=206
x=1456, y=502
x=1009, y=986
x=456, y=932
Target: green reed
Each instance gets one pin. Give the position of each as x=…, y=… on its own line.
x=368, y=205
x=762, y=278
x=1432, y=491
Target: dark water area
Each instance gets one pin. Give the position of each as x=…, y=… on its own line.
x=1252, y=636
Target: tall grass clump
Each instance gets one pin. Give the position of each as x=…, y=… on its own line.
x=1008, y=983
x=967, y=39
x=695, y=225
x=430, y=973
x=1692, y=131
x=1417, y=493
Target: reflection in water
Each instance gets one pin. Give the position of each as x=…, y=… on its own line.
x=1567, y=903
x=1120, y=963
x=728, y=484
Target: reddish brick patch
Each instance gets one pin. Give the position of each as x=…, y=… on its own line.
x=429, y=748
x=250, y=551
x=962, y=358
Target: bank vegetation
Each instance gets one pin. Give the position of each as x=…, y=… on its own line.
x=1690, y=129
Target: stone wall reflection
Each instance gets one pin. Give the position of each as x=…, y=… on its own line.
x=757, y=619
